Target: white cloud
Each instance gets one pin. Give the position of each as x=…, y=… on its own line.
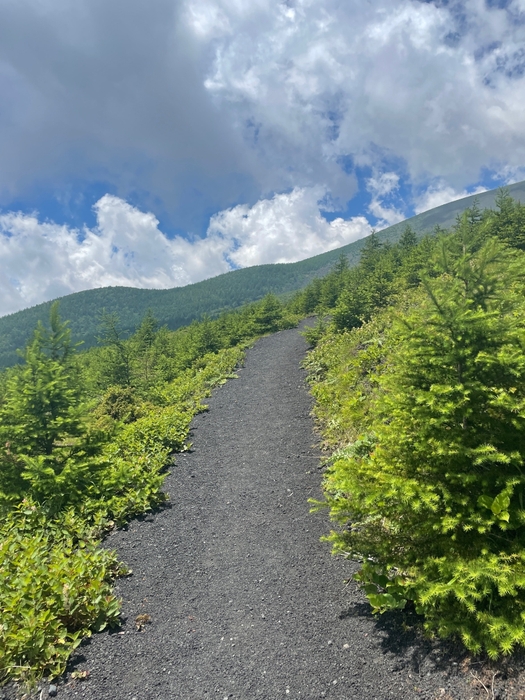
x=509, y=174
x=202, y=104
x=205, y=103
x=286, y=228
x=381, y=186
x=440, y=89
x=42, y=260
x=439, y=194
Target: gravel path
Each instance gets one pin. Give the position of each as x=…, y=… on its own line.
x=245, y=601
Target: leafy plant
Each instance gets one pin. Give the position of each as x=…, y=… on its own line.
x=55, y=589
x=65, y=483
x=435, y=510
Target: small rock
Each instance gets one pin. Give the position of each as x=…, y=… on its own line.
x=52, y=691
x=330, y=642
x=346, y=646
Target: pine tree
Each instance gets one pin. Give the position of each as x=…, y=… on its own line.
x=370, y=252
x=47, y=449
x=145, y=334
x=435, y=505
x=408, y=239
x=341, y=265
x=508, y=221
x=267, y=314
x=352, y=307
x=42, y=395
x=141, y=354
x=115, y=362
x=311, y=297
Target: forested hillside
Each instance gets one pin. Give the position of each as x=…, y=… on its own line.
x=178, y=307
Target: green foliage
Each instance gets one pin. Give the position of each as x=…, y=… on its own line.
x=178, y=307
x=118, y=403
x=41, y=397
x=508, y=221
x=115, y=359
x=344, y=370
x=55, y=588
x=79, y=458
x=313, y=334
x=429, y=493
x=47, y=450
x=419, y=386
x=267, y=315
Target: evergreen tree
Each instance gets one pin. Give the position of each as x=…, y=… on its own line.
x=370, y=252
x=42, y=395
x=141, y=351
x=508, y=221
x=267, y=314
x=145, y=334
x=310, y=297
x=115, y=367
x=434, y=504
x=207, y=337
x=408, y=239
x=47, y=449
x=380, y=284
x=341, y=265
x=353, y=304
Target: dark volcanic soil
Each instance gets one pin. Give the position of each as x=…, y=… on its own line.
x=245, y=601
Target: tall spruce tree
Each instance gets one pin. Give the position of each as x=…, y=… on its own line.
x=436, y=508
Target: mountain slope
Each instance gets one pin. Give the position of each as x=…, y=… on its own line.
x=179, y=306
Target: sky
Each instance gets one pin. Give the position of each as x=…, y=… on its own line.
x=156, y=144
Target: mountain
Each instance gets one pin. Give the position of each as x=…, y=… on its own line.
x=179, y=306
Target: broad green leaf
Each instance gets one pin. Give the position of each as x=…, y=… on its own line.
x=500, y=503
x=485, y=502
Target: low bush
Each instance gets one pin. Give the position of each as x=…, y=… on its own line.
x=98, y=469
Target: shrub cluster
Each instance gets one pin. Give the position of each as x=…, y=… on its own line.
x=424, y=406
x=85, y=443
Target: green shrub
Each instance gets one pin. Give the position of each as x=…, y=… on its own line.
x=55, y=581
x=429, y=495
x=55, y=589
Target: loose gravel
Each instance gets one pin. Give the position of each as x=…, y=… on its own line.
x=233, y=595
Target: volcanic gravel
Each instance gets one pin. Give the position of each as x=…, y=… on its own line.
x=233, y=595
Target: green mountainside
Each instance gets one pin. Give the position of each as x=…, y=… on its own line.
x=181, y=305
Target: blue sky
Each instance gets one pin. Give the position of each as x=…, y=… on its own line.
x=157, y=144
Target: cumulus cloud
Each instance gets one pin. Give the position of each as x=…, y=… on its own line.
x=42, y=260
x=286, y=228
x=197, y=107
x=420, y=81
x=383, y=186
x=441, y=193
x=202, y=104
